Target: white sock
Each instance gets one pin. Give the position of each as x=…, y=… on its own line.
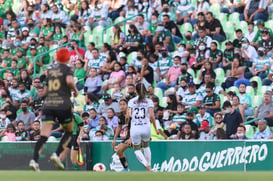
x=141, y=157
x=148, y=155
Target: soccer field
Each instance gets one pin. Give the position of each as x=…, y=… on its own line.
x=132, y=176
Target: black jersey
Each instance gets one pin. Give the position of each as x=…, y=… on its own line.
x=58, y=94
x=121, y=121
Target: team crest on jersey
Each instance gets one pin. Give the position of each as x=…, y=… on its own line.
x=115, y=164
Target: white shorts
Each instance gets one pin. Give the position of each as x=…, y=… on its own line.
x=140, y=134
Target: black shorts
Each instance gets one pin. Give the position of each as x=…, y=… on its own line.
x=63, y=116
x=73, y=143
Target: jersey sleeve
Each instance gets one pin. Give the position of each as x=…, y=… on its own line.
x=130, y=104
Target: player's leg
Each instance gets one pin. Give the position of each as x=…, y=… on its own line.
x=120, y=151
x=74, y=152
x=45, y=133
x=146, y=149
x=136, y=142
x=147, y=154
x=65, y=118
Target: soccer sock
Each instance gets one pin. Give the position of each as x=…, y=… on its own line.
x=123, y=162
x=141, y=157
x=39, y=147
x=64, y=142
x=76, y=166
x=148, y=155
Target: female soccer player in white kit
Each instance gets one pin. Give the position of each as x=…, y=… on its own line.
x=140, y=109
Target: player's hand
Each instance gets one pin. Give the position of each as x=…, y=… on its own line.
x=75, y=93
x=129, y=141
x=113, y=143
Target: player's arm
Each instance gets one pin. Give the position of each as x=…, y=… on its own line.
x=71, y=84
x=116, y=135
x=152, y=118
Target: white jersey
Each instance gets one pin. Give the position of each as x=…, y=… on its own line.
x=140, y=112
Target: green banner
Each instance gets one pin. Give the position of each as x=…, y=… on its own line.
x=167, y=156
x=176, y=156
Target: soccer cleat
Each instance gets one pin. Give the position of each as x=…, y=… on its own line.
x=125, y=170
x=148, y=168
x=34, y=165
x=56, y=160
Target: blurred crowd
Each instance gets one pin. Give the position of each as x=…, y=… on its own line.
x=207, y=65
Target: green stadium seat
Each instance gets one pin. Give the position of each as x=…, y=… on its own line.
x=97, y=36
x=222, y=17
x=243, y=26
x=263, y=89
x=256, y=101
x=109, y=34
x=186, y=27
x=215, y=9
x=119, y=19
x=164, y=102
x=87, y=37
x=269, y=24
x=130, y=57
x=258, y=80
x=249, y=131
x=158, y=92
x=220, y=75
x=250, y=91
x=234, y=17
x=233, y=89
x=191, y=71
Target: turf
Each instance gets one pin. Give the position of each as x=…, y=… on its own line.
x=132, y=176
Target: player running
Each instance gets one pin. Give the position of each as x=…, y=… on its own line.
x=57, y=105
x=126, y=143
x=140, y=109
x=74, y=144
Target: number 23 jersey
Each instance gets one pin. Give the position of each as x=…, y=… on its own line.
x=58, y=92
x=140, y=112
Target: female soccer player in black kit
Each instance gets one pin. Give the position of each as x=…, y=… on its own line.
x=57, y=106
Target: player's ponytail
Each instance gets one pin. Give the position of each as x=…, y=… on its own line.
x=141, y=91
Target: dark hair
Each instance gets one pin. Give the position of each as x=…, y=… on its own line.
x=106, y=45
x=111, y=110
x=141, y=91
x=123, y=100
x=241, y=126
x=209, y=86
x=93, y=109
x=85, y=114
x=155, y=99
x=82, y=10
x=92, y=97
x=178, y=57
x=173, y=105
x=11, y=126
x=220, y=134
x=226, y=104
x=209, y=13
x=254, y=84
x=20, y=122
x=135, y=30
x=231, y=93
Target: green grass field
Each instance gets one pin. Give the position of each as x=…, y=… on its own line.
x=132, y=176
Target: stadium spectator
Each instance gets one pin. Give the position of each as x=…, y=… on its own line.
x=263, y=133
x=249, y=53
x=205, y=131
x=193, y=98
x=202, y=116
x=172, y=27
x=4, y=120
x=186, y=134
x=214, y=28
x=108, y=103
x=232, y=119
x=211, y=101
x=34, y=133
x=265, y=110
x=228, y=56
x=76, y=52
x=251, y=33
x=254, y=10
x=111, y=119
x=26, y=116
x=215, y=56
x=266, y=42
x=240, y=134
x=20, y=133
x=260, y=65
x=163, y=35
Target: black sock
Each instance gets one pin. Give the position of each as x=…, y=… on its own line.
x=123, y=162
x=64, y=142
x=38, y=147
